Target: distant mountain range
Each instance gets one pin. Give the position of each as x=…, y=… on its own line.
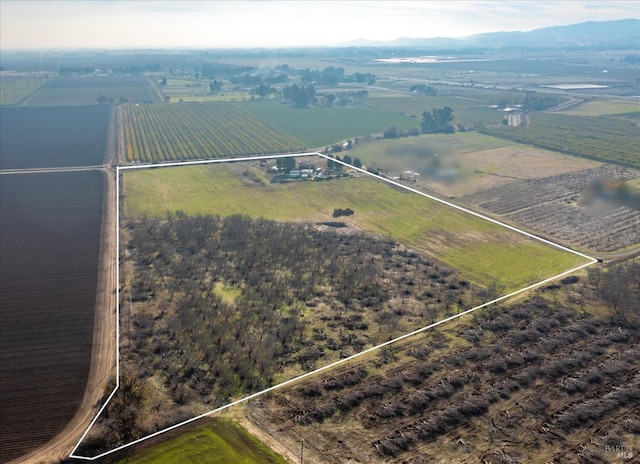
x=620, y=34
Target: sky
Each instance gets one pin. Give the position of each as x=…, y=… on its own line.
x=117, y=24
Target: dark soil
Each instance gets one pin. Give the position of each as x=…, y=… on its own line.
x=52, y=136
x=50, y=227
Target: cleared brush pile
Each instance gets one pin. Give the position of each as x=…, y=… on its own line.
x=195, y=131
x=527, y=383
x=554, y=205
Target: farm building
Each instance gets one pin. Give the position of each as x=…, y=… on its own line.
x=299, y=174
x=517, y=119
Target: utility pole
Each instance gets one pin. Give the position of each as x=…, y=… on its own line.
x=302, y=451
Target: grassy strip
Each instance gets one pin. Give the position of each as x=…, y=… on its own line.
x=325, y=126
x=217, y=441
x=602, y=138
x=483, y=251
x=600, y=107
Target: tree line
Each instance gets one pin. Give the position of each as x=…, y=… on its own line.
x=436, y=121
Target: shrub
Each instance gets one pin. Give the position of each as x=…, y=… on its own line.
x=544, y=325
x=324, y=411
x=420, y=352
x=347, y=379
x=313, y=391
x=394, y=383
x=475, y=406
x=473, y=334
x=498, y=366
x=351, y=400
x=574, y=385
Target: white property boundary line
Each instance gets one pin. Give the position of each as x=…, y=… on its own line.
x=333, y=364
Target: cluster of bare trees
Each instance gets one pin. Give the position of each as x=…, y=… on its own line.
x=619, y=287
x=218, y=306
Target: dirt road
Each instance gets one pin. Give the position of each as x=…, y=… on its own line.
x=103, y=358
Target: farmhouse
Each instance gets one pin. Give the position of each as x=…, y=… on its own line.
x=300, y=174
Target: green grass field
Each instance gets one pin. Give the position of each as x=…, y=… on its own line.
x=415, y=153
x=219, y=441
x=601, y=107
x=466, y=111
x=482, y=251
x=325, y=126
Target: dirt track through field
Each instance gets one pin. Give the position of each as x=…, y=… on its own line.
x=103, y=357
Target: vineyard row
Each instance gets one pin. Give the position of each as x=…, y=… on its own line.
x=189, y=131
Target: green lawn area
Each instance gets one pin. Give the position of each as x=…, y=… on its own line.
x=219, y=441
x=480, y=250
x=322, y=126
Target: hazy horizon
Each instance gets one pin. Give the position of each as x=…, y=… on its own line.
x=277, y=24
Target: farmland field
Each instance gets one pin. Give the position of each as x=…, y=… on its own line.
x=216, y=441
x=600, y=107
x=325, y=126
x=465, y=162
x=186, y=131
x=532, y=382
x=66, y=136
x=558, y=205
x=603, y=138
x=466, y=111
x=215, y=260
x=211, y=97
x=85, y=90
x=50, y=226
x=413, y=220
x=15, y=87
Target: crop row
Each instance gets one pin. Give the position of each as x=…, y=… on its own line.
x=601, y=138
x=516, y=196
x=606, y=232
x=187, y=131
x=534, y=363
x=554, y=205
x=48, y=277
